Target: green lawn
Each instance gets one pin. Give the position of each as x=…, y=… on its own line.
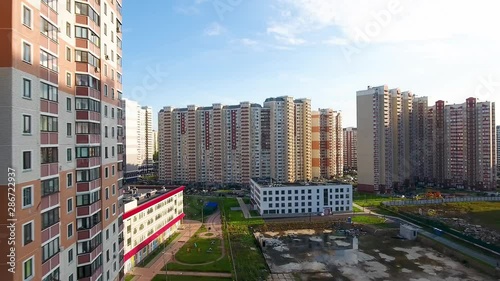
x=236, y=217
x=161, y=277
x=129, y=277
x=197, y=250
x=152, y=256
x=357, y=210
x=371, y=220
x=223, y=265
x=193, y=207
x=371, y=200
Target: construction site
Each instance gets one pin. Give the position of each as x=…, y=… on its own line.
x=354, y=253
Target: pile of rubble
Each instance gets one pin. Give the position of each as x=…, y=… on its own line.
x=472, y=230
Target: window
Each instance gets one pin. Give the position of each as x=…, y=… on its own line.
x=88, y=104
x=48, y=123
x=113, y=167
x=49, y=155
x=112, y=132
x=107, y=213
x=107, y=234
x=68, y=5
x=50, y=186
x=82, y=56
x=114, y=212
x=26, y=52
x=28, y=269
x=70, y=256
x=28, y=233
x=48, y=60
x=113, y=93
x=107, y=192
x=105, y=29
x=105, y=131
x=85, y=80
x=48, y=29
x=88, y=128
x=113, y=113
x=112, y=151
x=27, y=196
x=26, y=124
x=53, y=5
x=86, y=152
x=68, y=29
x=105, y=9
x=105, y=90
x=69, y=180
x=85, y=9
x=70, y=230
x=106, y=173
x=26, y=88
x=68, y=131
x=113, y=189
x=50, y=218
x=68, y=53
x=105, y=111
x=26, y=160
x=70, y=205
x=27, y=16
x=106, y=153
x=112, y=55
x=68, y=79
x=50, y=249
x=71, y=278
x=49, y=92
x=68, y=104
x=87, y=175
x=85, y=33
x=68, y=154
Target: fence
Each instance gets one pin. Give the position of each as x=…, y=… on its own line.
x=439, y=201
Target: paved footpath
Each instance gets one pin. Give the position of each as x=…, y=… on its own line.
x=244, y=208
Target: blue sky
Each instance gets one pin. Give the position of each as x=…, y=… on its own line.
x=200, y=52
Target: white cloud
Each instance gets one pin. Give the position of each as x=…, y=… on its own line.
x=247, y=42
x=336, y=41
x=214, y=29
x=409, y=20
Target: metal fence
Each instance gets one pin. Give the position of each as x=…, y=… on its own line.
x=439, y=201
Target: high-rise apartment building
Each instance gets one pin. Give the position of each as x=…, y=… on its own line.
x=60, y=73
x=155, y=141
x=405, y=142
x=498, y=153
x=350, y=148
x=234, y=143
x=139, y=139
x=303, y=140
x=327, y=152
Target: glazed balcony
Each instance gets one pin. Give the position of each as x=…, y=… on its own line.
x=49, y=169
x=49, y=138
x=50, y=232
x=88, y=139
x=83, y=91
x=88, y=162
x=88, y=186
x=83, y=43
x=51, y=264
x=84, y=234
x=87, y=115
x=88, y=257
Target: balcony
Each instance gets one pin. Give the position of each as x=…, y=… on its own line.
x=88, y=92
x=86, y=115
x=88, y=257
x=49, y=138
x=95, y=276
x=50, y=232
x=50, y=201
x=83, y=234
x=49, y=169
x=89, y=209
x=49, y=106
x=88, y=186
x=88, y=139
x=51, y=264
x=49, y=75
x=87, y=44
x=88, y=162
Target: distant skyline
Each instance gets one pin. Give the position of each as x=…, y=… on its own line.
x=201, y=52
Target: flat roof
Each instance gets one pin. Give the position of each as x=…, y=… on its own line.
x=269, y=182
x=145, y=189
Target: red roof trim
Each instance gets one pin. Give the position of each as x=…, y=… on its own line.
x=155, y=235
x=152, y=202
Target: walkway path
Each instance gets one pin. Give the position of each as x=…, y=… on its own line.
x=244, y=208
x=464, y=250
x=207, y=274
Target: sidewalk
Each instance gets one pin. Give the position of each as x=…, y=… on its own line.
x=244, y=208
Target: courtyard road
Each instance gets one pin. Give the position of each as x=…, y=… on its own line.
x=244, y=208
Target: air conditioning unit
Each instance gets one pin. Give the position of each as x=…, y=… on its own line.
x=107, y=57
x=114, y=256
x=118, y=29
x=97, y=69
x=61, y=248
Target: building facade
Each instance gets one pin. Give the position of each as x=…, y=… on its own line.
x=405, y=142
x=350, y=149
x=230, y=144
x=327, y=145
x=151, y=216
x=63, y=138
x=325, y=198
x=139, y=139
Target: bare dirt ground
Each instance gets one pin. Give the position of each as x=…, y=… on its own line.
x=316, y=255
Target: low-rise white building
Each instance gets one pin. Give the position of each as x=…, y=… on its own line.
x=152, y=215
x=321, y=198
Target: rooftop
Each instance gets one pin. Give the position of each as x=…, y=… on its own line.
x=270, y=182
x=145, y=193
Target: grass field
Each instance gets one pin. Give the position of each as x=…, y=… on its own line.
x=223, y=265
x=371, y=220
x=483, y=213
x=200, y=250
x=161, y=277
x=193, y=207
x=129, y=277
x=371, y=200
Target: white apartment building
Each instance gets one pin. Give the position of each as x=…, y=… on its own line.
x=139, y=139
x=152, y=215
x=278, y=199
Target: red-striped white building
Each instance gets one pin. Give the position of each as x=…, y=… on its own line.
x=152, y=215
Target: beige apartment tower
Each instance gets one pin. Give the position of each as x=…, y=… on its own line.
x=350, y=148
